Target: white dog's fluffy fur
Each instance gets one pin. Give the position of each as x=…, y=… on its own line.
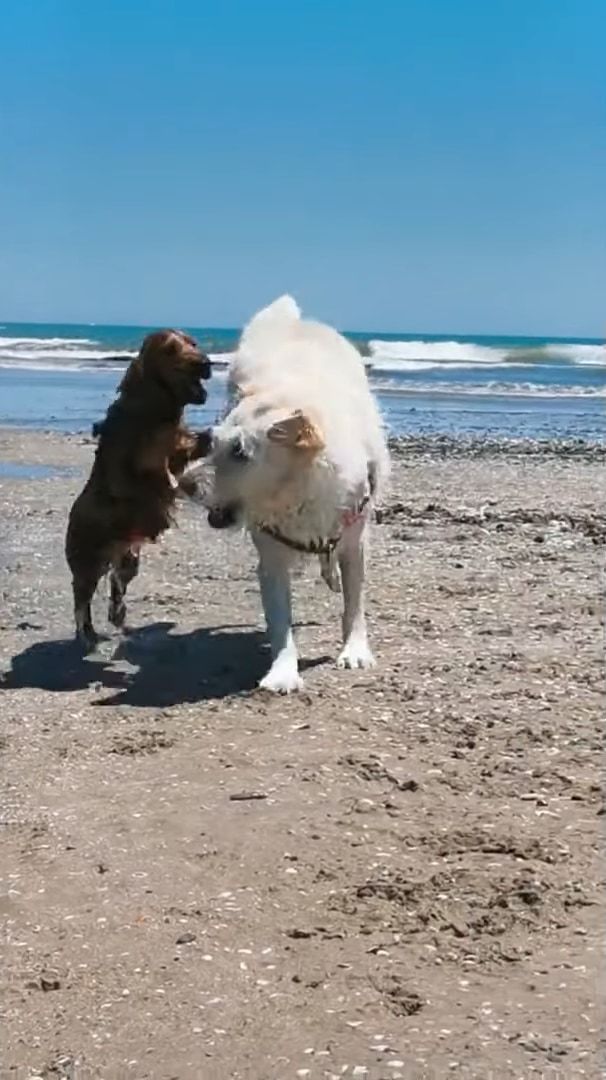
x=301, y=454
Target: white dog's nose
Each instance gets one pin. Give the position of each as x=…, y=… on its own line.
x=221, y=517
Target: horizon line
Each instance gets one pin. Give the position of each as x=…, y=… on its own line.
x=365, y=333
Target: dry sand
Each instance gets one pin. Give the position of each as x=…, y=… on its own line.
x=413, y=891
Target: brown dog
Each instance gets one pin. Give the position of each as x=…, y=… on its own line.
x=143, y=449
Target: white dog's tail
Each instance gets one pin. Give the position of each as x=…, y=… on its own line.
x=271, y=323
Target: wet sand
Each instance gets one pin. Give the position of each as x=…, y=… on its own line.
x=396, y=873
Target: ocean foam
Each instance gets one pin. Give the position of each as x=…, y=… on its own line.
x=401, y=366
x=493, y=388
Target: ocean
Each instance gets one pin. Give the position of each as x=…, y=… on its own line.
x=62, y=377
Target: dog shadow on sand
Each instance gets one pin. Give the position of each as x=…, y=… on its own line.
x=150, y=666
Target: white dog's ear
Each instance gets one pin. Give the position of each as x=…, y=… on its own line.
x=297, y=432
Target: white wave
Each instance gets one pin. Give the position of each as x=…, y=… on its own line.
x=221, y=359
x=84, y=360
x=425, y=355
x=44, y=343
x=433, y=351
x=58, y=353
x=593, y=355
x=55, y=354
x=35, y=365
x=68, y=353
x=58, y=357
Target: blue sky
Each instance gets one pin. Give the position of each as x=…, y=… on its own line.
x=419, y=165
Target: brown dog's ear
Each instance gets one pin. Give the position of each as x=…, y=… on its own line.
x=297, y=432
x=132, y=376
x=152, y=355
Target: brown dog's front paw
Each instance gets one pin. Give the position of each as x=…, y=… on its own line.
x=87, y=639
x=117, y=613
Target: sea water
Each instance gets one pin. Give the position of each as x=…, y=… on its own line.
x=63, y=377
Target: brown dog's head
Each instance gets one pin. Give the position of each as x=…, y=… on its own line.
x=172, y=360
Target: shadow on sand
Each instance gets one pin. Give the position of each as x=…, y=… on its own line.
x=151, y=666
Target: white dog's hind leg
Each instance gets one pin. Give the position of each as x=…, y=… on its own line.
x=274, y=579
x=356, y=652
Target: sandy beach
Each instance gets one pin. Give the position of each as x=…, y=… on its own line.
x=394, y=874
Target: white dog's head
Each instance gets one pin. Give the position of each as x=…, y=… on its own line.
x=263, y=457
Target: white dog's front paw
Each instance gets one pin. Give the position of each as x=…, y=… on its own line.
x=356, y=654
x=282, y=679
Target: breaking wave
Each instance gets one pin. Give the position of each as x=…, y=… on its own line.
x=424, y=355
x=67, y=354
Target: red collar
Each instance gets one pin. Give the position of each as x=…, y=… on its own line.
x=136, y=538
x=322, y=546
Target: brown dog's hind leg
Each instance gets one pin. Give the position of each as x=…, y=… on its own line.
x=84, y=589
x=123, y=570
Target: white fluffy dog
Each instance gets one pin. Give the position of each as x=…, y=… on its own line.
x=299, y=460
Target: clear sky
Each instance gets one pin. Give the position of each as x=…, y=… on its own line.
x=420, y=165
